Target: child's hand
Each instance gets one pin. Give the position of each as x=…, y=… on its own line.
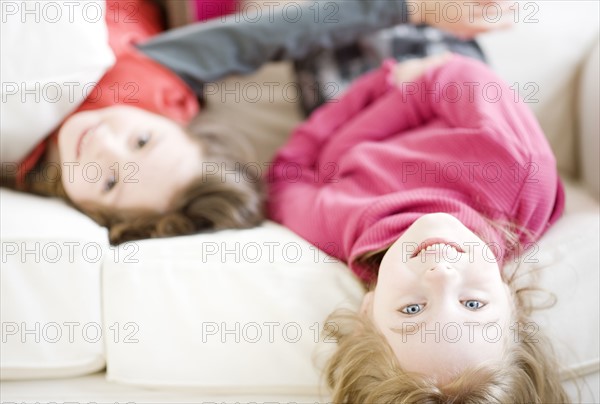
x=410, y=70
x=464, y=19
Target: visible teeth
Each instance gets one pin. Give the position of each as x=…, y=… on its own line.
x=439, y=246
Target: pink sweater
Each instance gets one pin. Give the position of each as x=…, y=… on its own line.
x=360, y=171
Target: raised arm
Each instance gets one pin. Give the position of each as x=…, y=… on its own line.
x=460, y=91
x=241, y=43
x=371, y=109
x=374, y=108
x=308, y=139
x=466, y=93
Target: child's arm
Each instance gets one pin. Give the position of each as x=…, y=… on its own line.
x=308, y=139
x=300, y=192
x=241, y=43
x=459, y=91
x=372, y=109
x=466, y=93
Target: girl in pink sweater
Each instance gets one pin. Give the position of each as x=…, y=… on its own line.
x=426, y=178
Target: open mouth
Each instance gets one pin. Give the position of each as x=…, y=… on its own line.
x=435, y=245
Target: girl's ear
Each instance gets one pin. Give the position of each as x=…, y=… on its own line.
x=366, y=307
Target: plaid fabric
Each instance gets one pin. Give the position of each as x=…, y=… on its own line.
x=325, y=75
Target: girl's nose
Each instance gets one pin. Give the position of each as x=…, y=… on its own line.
x=440, y=274
x=108, y=144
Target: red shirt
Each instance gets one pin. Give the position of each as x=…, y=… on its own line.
x=134, y=79
x=360, y=171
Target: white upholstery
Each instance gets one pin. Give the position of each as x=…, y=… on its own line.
x=589, y=122
x=158, y=294
x=42, y=79
x=50, y=289
x=540, y=57
x=567, y=264
x=246, y=305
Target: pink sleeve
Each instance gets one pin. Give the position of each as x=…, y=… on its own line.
x=463, y=93
x=294, y=178
x=466, y=93
x=301, y=194
x=372, y=109
x=295, y=196
x=473, y=97
x=459, y=94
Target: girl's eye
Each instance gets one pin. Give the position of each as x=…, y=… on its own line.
x=142, y=140
x=473, y=304
x=412, y=309
x=110, y=184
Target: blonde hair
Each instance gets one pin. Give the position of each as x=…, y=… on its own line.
x=208, y=203
x=364, y=369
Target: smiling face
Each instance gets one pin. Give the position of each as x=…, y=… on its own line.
x=440, y=301
x=125, y=158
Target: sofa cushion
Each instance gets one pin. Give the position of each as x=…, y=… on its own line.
x=233, y=311
x=566, y=263
x=589, y=122
x=67, y=52
x=50, y=289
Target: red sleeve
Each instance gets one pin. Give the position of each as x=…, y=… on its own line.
x=136, y=79
x=130, y=22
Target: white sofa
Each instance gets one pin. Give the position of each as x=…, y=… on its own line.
x=233, y=315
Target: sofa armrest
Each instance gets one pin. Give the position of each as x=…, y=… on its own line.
x=589, y=122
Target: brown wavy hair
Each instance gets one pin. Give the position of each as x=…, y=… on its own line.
x=208, y=203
